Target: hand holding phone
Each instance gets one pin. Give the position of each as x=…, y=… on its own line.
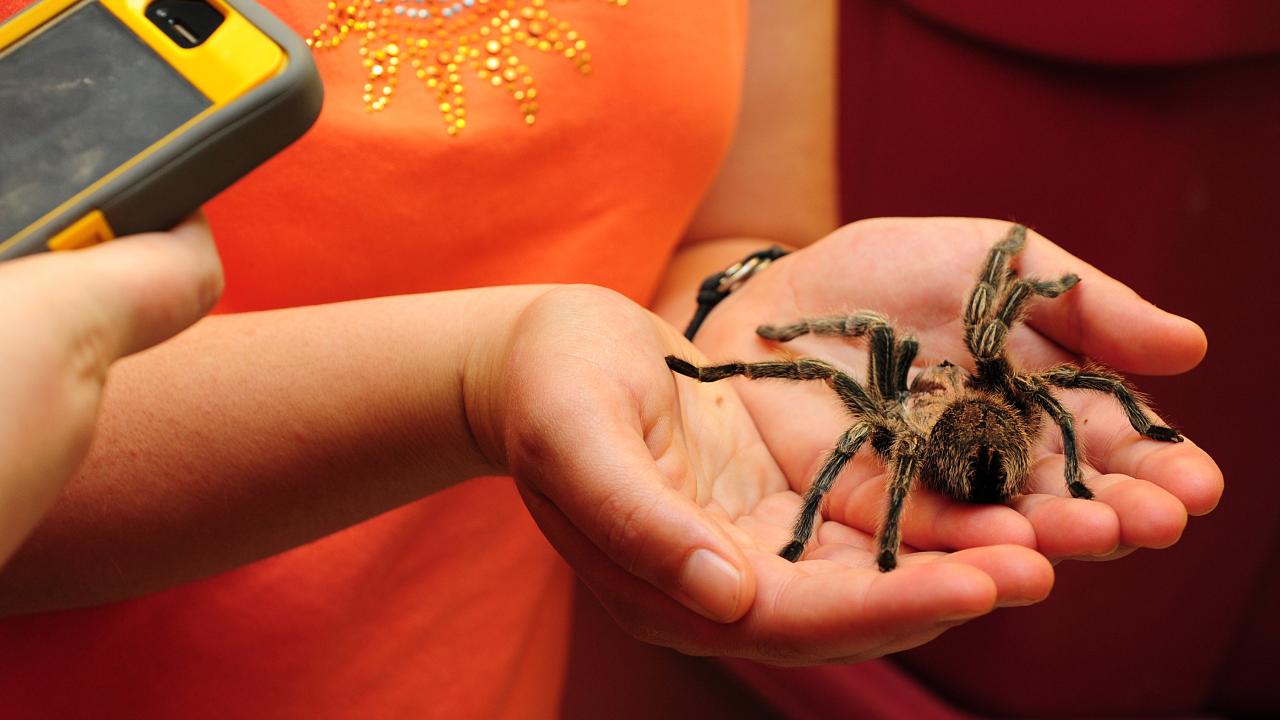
x=64, y=319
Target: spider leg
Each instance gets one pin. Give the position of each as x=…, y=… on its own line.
x=1024, y=289
x=1073, y=378
x=854, y=396
x=1037, y=392
x=845, y=448
x=993, y=278
x=986, y=338
x=881, y=365
x=906, y=454
x=904, y=355
x=855, y=325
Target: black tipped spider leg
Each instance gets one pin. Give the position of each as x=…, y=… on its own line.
x=1066, y=424
x=1073, y=378
x=905, y=455
x=682, y=367
x=850, y=392
x=846, y=448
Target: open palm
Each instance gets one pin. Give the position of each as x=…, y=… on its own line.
x=630, y=472
x=918, y=272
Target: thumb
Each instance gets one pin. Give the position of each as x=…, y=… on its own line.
x=93, y=306
x=600, y=473
x=64, y=318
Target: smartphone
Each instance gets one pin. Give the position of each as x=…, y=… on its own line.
x=124, y=116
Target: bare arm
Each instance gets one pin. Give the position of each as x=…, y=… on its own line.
x=64, y=318
x=255, y=433
x=778, y=182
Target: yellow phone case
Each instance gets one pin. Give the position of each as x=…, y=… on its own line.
x=263, y=93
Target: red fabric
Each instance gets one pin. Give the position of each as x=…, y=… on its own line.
x=1118, y=32
x=9, y=8
x=1166, y=179
x=453, y=607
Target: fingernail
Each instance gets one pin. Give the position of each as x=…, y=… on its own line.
x=712, y=585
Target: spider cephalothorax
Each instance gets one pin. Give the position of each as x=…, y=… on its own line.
x=967, y=435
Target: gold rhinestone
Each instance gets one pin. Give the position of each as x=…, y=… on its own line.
x=376, y=70
x=492, y=63
x=493, y=46
x=509, y=74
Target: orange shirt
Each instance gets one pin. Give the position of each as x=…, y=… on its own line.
x=454, y=606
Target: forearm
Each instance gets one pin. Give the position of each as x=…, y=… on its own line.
x=255, y=433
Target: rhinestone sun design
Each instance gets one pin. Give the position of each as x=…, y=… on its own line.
x=435, y=40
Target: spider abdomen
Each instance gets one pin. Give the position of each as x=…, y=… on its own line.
x=979, y=450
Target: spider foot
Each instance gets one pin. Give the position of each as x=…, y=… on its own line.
x=781, y=333
x=792, y=551
x=1160, y=432
x=683, y=367
x=1079, y=490
x=887, y=560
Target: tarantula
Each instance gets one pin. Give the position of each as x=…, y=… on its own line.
x=967, y=435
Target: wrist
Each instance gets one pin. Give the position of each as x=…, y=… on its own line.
x=488, y=367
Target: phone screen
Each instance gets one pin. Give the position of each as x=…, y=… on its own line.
x=77, y=100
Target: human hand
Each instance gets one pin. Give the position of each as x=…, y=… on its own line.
x=662, y=496
x=64, y=318
x=918, y=272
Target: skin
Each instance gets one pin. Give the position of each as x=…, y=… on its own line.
x=64, y=318
x=638, y=479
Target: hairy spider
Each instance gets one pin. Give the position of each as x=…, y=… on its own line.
x=967, y=435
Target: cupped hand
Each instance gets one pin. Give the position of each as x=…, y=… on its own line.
x=918, y=272
x=64, y=318
x=661, y=494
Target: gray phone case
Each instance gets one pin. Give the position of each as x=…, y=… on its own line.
x=177, y=178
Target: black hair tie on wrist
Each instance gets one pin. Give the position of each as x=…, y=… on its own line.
x=718, y=285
